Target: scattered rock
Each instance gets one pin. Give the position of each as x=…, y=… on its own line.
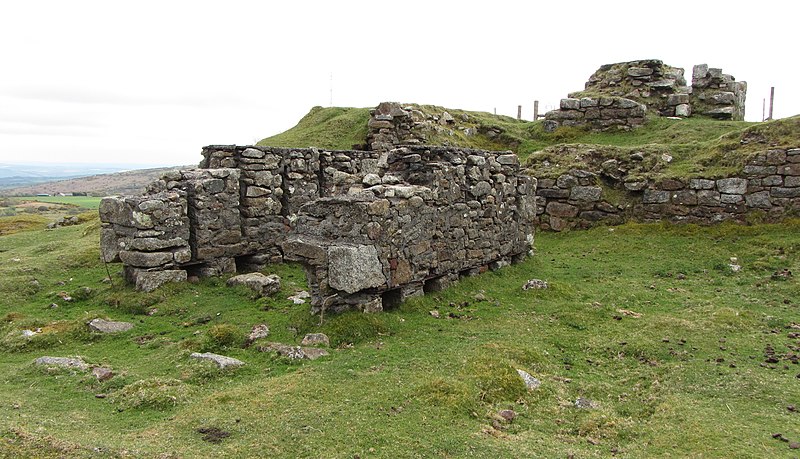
x=626, y=312
x=258, y=332
x=434, y=313
x=102, y=373
x=316, y=339
x=29, y=333
x=734, y=265
x=782, y=274
x=585, y=403
x=508, y=415
x=299, y=297
x=530, y=382
x=108, y=326
x=62, y=362
x=294, y=352
x=222, y=361
x=480, y=296
x=535, y=284
x=258, y=282
x=794, y=445
x=64, y=296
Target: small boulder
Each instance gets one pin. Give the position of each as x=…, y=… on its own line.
x=530, y=382
x=585, y=403
x=316, y=339
x=259, y=283
x=62, y=362
x=222, y=361
x=258, y=332
x=108, y=326
x=299, y=297
x=294, y=352
x=535, y=284
x=102, y=373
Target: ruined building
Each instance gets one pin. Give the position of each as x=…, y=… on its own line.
x=619, y=95
x=371, y=227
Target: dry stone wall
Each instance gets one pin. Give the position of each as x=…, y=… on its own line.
x=598, y=113
x=769, y=185
x=427, y=222
x=372, y=227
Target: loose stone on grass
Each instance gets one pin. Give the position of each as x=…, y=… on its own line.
x=535, y=284
x=259, y=283
x=222, y=361
x=62, y=362
x=102, y=373
x=108, y=326
x=258, y=332
x=294, y=352
x=316, y=339
x=530, y=382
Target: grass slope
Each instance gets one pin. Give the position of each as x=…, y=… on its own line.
x=697, y=146
x=681, y=356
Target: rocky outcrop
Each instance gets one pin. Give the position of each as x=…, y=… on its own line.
x=717, y=94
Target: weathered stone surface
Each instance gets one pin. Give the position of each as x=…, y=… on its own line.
x=316, y=339
x=354, y=268
x=535, y=284
x=701, y=184
x=62, y=362
x=530, y=382
x=258, y=332
x=108, y=326
x=147, y=281
x=732, y=186
x=759, y=200
x=223, y=362
x=294, y=352
x=102, y=374
x=570, y=104
x=655, y=196
x=145, y=259
x=260, y=283
x=559, y=209
x=585, y=193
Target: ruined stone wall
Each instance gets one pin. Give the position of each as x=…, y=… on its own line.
x=364, y=222
x=597, y=113
x=717, y=94
x=660, y=88
x=769, y=186
x=428, y=221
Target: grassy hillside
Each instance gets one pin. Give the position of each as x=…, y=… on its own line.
x=334, y=128
x=675, y=354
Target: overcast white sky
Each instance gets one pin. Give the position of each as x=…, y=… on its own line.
x=151, y=82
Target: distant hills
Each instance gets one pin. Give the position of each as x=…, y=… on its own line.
x=30, y=180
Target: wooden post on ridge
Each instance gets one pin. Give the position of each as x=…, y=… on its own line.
x=771, y=100
x=519, y=112
x=536, y=110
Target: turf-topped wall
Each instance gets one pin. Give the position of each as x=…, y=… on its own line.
x=372, y=227
x=768, y=187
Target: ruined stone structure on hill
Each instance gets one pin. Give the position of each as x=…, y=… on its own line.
x=619, y=95
x=371, y=227
x=609, y=189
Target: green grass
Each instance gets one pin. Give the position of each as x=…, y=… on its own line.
x=334, y=128
x=687, y=378
x=83, y=202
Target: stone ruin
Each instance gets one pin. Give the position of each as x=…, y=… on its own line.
x=619, y=95
x=371, y=228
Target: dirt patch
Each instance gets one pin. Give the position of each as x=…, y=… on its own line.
x=213, y=434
